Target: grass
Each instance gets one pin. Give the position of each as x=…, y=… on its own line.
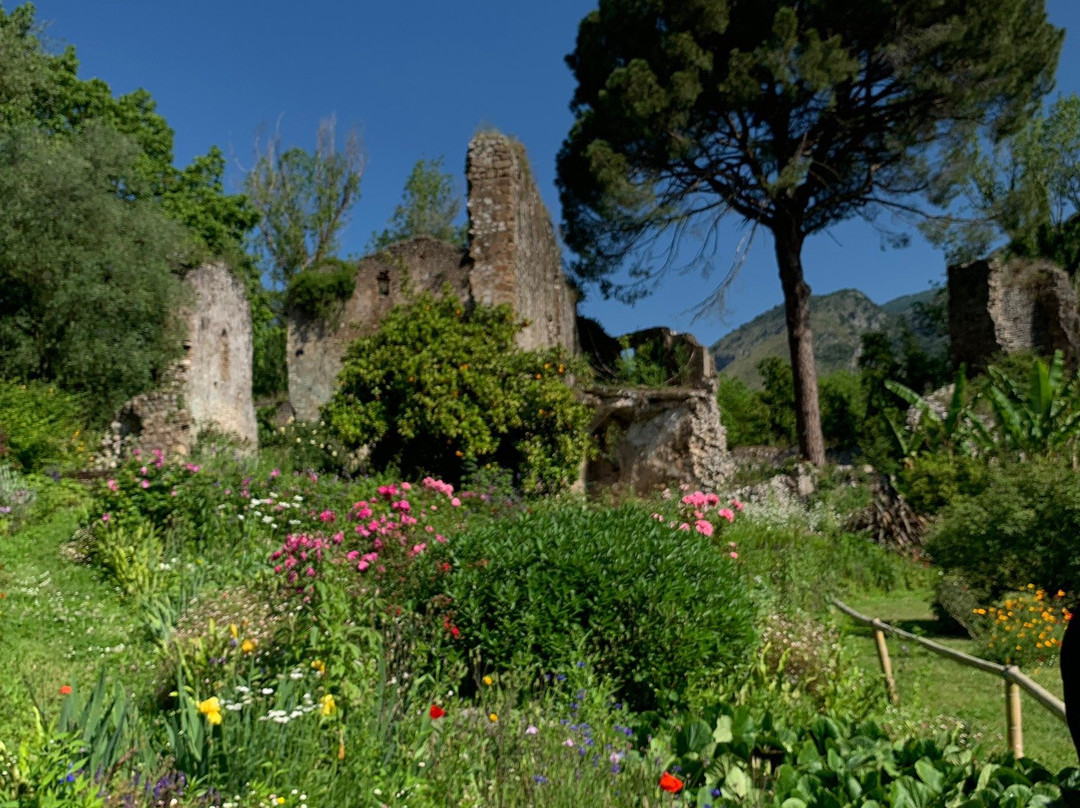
x=59, y=620
x=936, y=691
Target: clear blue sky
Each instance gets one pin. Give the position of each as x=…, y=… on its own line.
x=418, y=78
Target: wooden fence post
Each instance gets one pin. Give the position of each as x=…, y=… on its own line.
x=1013, y=718
x=886, y=664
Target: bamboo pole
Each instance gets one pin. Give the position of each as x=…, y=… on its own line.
x=886, y=663
x=1013, y=717
x=1010, y=673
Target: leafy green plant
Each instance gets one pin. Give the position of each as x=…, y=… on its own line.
x=1038, y=416
x=438, y=387
x=41, y=426
x=1021, y=529
x=954, y=431
x=656, y=607
x=314, y=292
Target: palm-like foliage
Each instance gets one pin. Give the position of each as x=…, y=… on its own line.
x=1037, y=416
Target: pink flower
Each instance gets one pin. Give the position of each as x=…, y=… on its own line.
x=145, y=483
x=105, y=517
x=363, y=565
x=275, y=473
x=142, y=471
x=310, y=572
x=704, y=527
x=726, y=513
x=418, y=549
x=733, y=554
x=455, y=502
x=684, y=526
x=327, y=516
x=737, y=505
x=113, y=486
x=406, y=487
x=531, y=730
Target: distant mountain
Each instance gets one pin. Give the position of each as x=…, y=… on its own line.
x=838, y=321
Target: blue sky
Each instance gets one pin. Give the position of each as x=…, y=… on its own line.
x=418, y=79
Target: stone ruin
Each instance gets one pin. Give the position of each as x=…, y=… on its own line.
x=208, y=389
x=513, y=257
x=651, y=437
x=999, y=306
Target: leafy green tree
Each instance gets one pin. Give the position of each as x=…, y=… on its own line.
x=778, y=398
x=1026, y=188
x=303, y=199
x=70, y=252
x=742, y=413
x=42, y=89
x=790, y=114
x=438, y=388
x=429, y=206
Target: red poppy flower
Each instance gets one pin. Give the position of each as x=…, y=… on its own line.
x=671, y=783
x=436, y=711
x=65, y=690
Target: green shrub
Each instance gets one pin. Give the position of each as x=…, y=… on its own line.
x=656, y=608
x=930, y=482
x=742, y=413
x=41, y=426
x=1021, y=529
x=314, y=292
x=439, y=387
x=843, y=402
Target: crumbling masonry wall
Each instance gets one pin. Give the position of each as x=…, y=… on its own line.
x=209, y=388
x=316, y=347
x=512, y=244
x=998, y=306
x=513, y=258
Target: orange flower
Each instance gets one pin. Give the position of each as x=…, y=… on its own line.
x=436, y=711
x=670, y=783
x=65, y=690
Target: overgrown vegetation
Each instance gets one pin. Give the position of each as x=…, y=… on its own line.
x=438, y=386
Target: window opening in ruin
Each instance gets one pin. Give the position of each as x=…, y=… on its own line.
x=383, y=279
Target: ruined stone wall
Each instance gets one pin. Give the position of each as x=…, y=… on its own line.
x=316, y=348
x=998, y=306
x=209, y=388
x=516, y=257
x=653, y=438
x=218, y=385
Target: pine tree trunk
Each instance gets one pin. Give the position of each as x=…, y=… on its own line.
x=789, y=243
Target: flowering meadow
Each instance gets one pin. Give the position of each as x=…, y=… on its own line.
x=232, y=631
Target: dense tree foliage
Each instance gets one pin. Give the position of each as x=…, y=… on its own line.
x=790, y=115
x=303, y=199
x=429, y=206
x=97, y=221
x=70, y=251
x=1027, y=188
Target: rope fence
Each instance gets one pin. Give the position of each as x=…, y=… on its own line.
x=1015, y=680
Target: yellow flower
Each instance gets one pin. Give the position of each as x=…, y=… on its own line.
x=319, y=666
x=211, y=708
x=327, y=706
x=247, y=646
x=232, y=630
x=494, y=717
x=487, y=681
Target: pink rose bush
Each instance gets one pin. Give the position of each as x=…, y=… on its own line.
x=702, y=512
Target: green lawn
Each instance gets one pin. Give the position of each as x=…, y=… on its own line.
x=60, y=621
x=935, y=690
